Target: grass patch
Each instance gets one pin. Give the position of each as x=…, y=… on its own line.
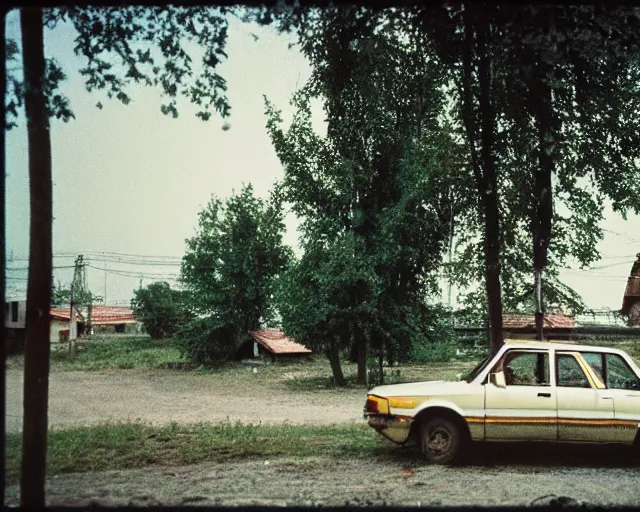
x=119, y=352
x=134, y=445
x=319, y=380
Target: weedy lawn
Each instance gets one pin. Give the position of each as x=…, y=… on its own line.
x=134, y=445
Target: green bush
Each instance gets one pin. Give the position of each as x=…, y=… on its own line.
x=203, y=341
x=433, y=352
x=161, y=309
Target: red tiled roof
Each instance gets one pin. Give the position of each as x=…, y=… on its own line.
x=551, y=321
x=62, y=314
x=277, y=343
x=111, y=315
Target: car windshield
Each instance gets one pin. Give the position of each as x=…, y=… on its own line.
x=474, y=373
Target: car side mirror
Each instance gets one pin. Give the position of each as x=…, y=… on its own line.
x=498, y=380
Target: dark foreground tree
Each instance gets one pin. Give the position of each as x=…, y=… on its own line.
x=36, y=357
x=102, y=34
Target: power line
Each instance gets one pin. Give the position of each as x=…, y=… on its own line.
x=622, y=235
x=27, y=268
x=148, y=275
x=628, y=262
x=610, y=257
x=146, y=263
x=593, y=275
x=120, y=255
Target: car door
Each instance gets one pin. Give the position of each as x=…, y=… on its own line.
x=585, y=407
x=624, y=387
x=526, y=408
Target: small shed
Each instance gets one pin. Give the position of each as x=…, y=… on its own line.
x=271, y=343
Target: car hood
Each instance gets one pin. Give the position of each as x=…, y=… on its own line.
x=430, y=388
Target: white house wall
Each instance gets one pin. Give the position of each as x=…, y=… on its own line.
x=22, y=314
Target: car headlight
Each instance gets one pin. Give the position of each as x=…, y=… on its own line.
x=376, y=405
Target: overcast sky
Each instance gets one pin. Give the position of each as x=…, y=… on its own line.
x=128, y=179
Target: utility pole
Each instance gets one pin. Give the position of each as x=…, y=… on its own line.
x=450, y=258
x=80, y=296
x=77, y=284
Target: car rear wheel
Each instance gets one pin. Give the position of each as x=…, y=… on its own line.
x=440, y=440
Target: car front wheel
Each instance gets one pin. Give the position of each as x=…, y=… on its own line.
x=440, y=440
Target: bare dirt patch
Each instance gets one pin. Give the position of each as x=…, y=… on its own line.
x=164, y=396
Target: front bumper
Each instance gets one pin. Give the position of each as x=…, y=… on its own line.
x=394, y=428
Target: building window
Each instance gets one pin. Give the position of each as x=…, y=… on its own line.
x=14, y=311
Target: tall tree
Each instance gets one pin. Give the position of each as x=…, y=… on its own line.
x=315, y=295
x=36, y=359
x=562, y=140
x=161, y=309
x=378, y=173
x=230, y=265
x=552, y=122
x=569, y=54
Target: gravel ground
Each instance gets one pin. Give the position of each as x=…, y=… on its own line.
x=491, y=480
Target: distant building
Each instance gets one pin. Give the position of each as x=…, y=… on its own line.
x=15, y=313
x=110, y=316
x=271, y=343
x=556, y=325
x=60, y=324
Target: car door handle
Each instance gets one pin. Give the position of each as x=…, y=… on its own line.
x=546, y=395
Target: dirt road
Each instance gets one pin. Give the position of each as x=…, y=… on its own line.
x=498, y=480
x=163, y=396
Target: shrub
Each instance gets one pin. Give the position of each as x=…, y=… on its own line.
x=433, y=352
x=161, y=309
x=204, y=341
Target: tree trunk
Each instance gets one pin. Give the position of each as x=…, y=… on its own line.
x=361, y=343
x=539, y=316
x=334, y=360
x=543, y=213
x=484, y=167
x=36, y=355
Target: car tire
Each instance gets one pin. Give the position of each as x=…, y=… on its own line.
x=440, y=441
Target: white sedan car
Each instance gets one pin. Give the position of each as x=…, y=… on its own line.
x=529, y=391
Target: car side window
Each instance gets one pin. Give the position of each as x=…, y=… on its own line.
x=619, y=375
x=596, y=362
x=526, y=369
x=570, y=375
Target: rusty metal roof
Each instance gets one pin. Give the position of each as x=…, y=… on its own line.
x=276, y=342
x=523, y=321
x=111, y=315
x=63, y=314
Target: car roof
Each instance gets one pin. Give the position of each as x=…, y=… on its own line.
x=515, y=343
